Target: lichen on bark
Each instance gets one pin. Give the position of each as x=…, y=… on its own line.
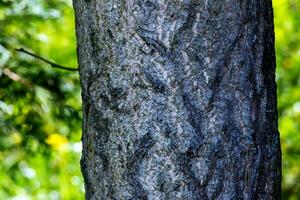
x=179, y=99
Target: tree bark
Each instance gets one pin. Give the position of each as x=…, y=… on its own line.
x=179, y=99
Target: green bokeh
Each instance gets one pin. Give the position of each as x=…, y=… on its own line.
x=40, y=107
x=287, y=29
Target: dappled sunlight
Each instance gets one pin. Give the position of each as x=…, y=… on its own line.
x=40, y=107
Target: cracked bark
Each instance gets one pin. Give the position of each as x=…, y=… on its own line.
x=179, y=99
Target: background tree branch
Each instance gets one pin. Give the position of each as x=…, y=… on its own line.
x=54, y=65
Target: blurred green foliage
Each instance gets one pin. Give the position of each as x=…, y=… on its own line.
x=287, y=29
x=40, y=107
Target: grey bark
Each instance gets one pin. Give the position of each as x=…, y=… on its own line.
x=179, y=99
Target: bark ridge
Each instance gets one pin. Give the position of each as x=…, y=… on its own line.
x=179, y=99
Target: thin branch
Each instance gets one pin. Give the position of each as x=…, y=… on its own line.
x=46, y=61
x=16, y=77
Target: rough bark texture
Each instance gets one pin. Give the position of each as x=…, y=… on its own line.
x=179, y=99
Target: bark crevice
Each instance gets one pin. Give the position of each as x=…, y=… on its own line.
x=179, y=99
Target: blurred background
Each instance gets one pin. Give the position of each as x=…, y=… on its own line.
x=40, y=107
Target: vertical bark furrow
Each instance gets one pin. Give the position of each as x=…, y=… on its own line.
x=179, y=99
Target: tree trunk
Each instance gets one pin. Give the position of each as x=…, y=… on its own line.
x=179, y=99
